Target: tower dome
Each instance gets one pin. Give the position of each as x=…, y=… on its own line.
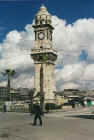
x=43, y=17
x=43, y=8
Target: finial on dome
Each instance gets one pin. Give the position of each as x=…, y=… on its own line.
x=43, y=8
x=43, y=16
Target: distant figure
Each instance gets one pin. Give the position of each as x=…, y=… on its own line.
x=38, y=114
x=47, y=108
x=4, y=108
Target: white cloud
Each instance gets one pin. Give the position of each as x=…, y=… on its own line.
x=13, y=37
x=68, y=39
x=89, y=72
x=70, y=86
x=16, y=49
x=23, y=80
x=71, y=72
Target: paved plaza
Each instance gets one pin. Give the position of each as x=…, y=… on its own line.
x=71, y=125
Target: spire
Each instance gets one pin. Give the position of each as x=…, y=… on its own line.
x=43, y=8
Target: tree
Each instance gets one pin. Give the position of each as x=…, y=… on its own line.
x=10, y=73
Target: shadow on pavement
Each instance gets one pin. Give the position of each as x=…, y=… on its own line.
x=83, y=116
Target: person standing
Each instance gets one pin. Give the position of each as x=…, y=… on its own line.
x=38, y=114
x=4, y=108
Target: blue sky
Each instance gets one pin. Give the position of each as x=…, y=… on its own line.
x=18, y=13
x=73, y=38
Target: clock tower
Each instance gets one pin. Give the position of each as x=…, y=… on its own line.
x=44, y=56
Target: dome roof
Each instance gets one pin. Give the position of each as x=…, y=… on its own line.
x=43, y=11
x=42, y=17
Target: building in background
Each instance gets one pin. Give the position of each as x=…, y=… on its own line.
x=20, y=94
x=4, y=94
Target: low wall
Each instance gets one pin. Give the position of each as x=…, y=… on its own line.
x=66, y=108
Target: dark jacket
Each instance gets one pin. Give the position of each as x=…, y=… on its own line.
x=37, y=110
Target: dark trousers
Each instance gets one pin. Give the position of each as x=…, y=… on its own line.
x=37, y=116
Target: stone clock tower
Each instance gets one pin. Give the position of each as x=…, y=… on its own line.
x=44, y=55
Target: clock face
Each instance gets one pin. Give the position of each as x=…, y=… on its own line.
x=41, y=35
